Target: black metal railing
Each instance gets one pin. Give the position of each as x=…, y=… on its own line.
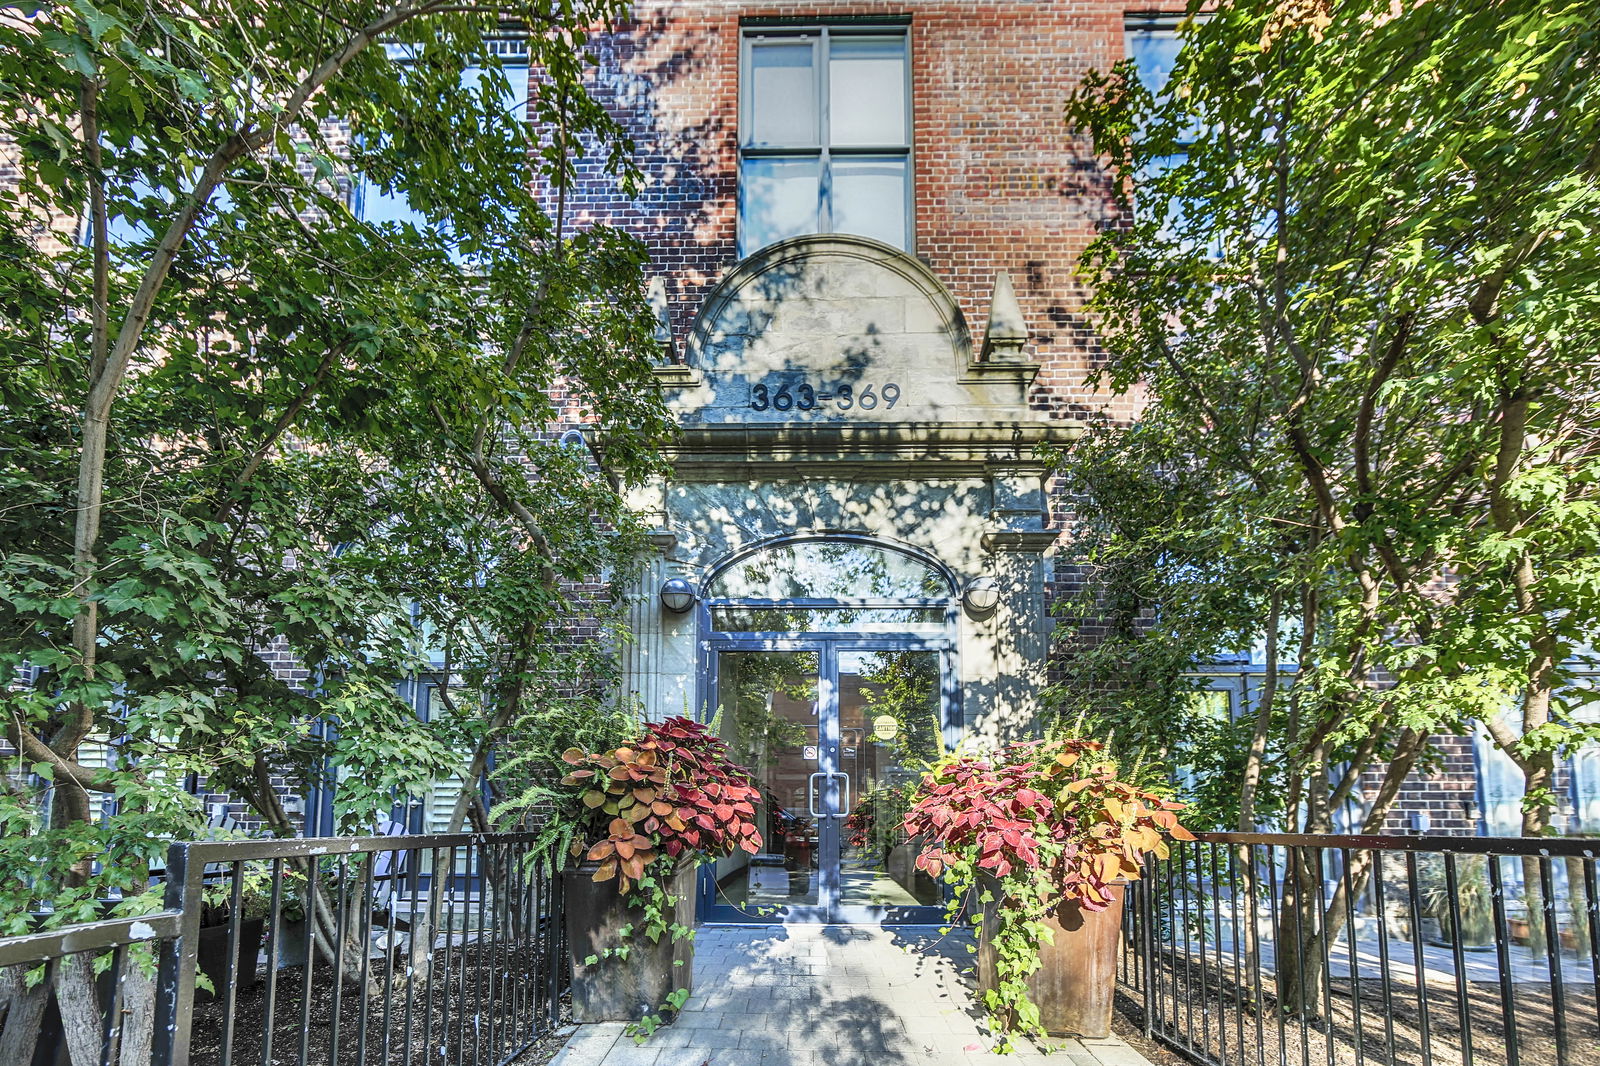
x=388, y=951
x=1250, y=948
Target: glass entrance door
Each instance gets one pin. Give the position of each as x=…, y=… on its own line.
x=891, y=718
x=835, y=731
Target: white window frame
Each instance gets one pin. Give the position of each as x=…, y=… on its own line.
x=821, y=35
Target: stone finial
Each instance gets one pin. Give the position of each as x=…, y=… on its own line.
x=655, y=295
x=1006, y=332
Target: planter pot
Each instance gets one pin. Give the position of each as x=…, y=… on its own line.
x=291, y=947
x=212, y=956
x=1477, y=932
x=1077, y=975
x=616, y=989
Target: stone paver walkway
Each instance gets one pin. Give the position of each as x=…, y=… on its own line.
x=829, y=996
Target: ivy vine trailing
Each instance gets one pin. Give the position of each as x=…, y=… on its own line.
x=1044, y=824
x=644, y=809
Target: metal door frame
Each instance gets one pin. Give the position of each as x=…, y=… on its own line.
x=826, y=646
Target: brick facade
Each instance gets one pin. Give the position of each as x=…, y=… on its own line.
x=1000, y=183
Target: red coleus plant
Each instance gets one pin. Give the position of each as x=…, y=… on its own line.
x=673, y=792
x=1051, y=811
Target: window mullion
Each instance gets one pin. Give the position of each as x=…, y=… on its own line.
x=824, y=135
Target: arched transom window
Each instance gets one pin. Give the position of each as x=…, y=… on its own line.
x=810, y=586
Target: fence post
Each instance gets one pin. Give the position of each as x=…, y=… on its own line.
x=175, y=979
x=1147, y=942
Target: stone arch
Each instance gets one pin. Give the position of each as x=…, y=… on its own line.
x=825, y=318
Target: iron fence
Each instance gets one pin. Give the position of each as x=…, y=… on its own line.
x=436, y=950
x=1248, y=949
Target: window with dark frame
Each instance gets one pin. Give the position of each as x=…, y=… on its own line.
x=824, y=133
x=1152, y=42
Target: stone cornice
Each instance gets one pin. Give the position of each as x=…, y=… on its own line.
x=876, y=449
x=1020, y=540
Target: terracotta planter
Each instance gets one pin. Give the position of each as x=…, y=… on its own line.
x=616, y=989
x=1077, y=975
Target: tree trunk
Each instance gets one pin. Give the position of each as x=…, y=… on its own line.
x=79, y=1003
x=1258, y=738
x=1308, y=928
x=138, y=1016
x=21, y=1011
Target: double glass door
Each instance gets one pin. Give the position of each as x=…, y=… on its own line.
x=837, y=732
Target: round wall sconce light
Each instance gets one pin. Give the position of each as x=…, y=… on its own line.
x=677, y=595
x=981, y=595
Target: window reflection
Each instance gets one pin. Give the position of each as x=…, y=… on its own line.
x=830, y=570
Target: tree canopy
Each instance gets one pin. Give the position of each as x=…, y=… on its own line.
x=1360, y=280
x=261, y=459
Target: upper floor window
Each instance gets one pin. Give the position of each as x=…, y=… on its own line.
x=1153, y=43
x=824, y=134
x=373, y=203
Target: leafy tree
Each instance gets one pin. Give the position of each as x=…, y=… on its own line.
x=242, y=429
x=1360, y=285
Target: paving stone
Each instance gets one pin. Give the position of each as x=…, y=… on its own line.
x=632, y=1055
x=684, y=1057
x=842, y=996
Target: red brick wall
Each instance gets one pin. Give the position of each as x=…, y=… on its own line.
x=1001, y=183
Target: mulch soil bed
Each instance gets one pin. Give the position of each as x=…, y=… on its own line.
x=469, y=1013
x=1216, y=1024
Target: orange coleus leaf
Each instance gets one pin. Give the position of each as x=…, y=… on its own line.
x=644, y=795
x=620, y=827
x=1178, y=832
x=624, y=848
x=573, y=756
x=620, y=772
x=638, y=812
x=1067, y=758
x=607, y=871
x=1141, y=838
x=676, y=823
x=624, y=754
x=633, y=866
x=662, y=808
x=603, y=850
x=593, y=798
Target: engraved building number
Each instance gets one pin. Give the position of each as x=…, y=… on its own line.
x=804, y=396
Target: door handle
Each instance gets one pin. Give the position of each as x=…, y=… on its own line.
x=811, y=794
x=844, y=807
